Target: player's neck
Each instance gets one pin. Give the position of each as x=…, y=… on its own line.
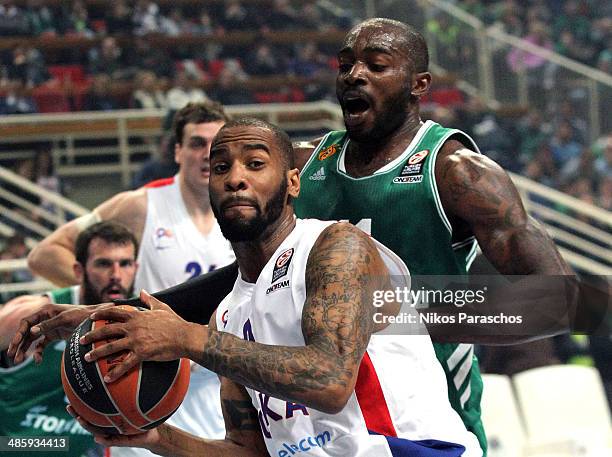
x=252, y=256
x=364, y=158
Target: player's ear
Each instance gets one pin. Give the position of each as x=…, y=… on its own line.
x=177, y=153
x=79, y=271
x=420, y=84
x=293, y=182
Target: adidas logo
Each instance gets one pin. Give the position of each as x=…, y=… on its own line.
x=318, y=175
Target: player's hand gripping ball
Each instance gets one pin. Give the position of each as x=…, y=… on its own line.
x=140, y=400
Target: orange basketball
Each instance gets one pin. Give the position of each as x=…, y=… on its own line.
x=140, y=400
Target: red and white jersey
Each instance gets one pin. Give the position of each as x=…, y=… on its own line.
x=400, y=403
x=173, y=250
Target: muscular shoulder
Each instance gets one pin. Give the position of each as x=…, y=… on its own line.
x=128, y=208
x=343, y=244
x=303, y=150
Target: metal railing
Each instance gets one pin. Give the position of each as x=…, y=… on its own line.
x=118, y=138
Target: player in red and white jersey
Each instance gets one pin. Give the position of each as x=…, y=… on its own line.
x=305, y=368
x=179, y=238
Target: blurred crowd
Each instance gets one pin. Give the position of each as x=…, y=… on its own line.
x=163, y=78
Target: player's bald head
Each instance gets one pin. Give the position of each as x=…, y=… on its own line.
x=397, y=33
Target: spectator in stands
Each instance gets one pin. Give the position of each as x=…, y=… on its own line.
x=17, y=100
x=282, y=16
x=572, y=19
x=204, y=26
x=174, y=24
x=265, y=62
x=604, y=198
x=603, y=164
x=577, y=167
x=148, y=94
x=46, y=177
x=230, y=88
x=568, y=45
x=235, y=16
x=13, y=20
x=532, y=133
x=143, y=56
x=563, y=145
x=119, y=19
x=78, y=21
x=99, y=96
x=565, y=112
x=41, y=19
x=185, y=90
x=519, y=60
x=28, y=66
x=108, y=59
x=146, y=17
x=14, y=248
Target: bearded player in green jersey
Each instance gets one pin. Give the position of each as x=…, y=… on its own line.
x=421, y=189
x=32, y=400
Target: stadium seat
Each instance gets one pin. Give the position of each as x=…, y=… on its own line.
x=501, y=418
x=565, y=404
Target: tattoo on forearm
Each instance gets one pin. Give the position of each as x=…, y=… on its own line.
x=342, y=271
x=240, y=414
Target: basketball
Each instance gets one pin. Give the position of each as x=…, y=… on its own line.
x=142, y=399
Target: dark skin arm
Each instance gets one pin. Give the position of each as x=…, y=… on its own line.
x=479, y=198
x=343, y=270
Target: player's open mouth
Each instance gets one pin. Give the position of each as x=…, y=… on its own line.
x=115, y=293
x=355, y=106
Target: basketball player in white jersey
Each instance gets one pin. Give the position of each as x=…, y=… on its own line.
x=303, y=370
x=179, y=239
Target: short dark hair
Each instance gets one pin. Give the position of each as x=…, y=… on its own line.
x=197, y=113
x=109, y=231
x=282, y=138
x=414, y=42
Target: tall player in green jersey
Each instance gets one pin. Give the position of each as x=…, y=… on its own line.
x=32, y=400
x=421, y=189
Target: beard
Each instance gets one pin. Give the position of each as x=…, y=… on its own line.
x=243, y=229
x=91, y=296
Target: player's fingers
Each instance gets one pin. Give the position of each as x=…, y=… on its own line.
x=97, y=431
x=110, y=348
x=39, y=348
x=26, y=334
x=111, y=313
x=106, y=332
x=129, y=362
x=152, y=302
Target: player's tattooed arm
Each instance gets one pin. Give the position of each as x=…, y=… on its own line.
x=479, y=196
x=343, y=270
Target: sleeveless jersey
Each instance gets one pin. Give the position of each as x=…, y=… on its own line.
x=400, y=206
x=32, y=399
x=396, y=408
x=173, y=250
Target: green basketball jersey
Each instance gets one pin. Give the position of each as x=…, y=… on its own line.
x=399, y=205
x=33, y=403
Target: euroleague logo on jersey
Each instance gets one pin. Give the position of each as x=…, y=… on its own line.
x=163, y=238
x=328, y=151
x=281, y=266
x=412, y=171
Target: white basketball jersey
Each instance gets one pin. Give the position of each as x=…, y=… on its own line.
x=173, y=250
x=400, y=403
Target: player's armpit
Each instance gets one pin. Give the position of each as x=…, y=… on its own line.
x=477, y=194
